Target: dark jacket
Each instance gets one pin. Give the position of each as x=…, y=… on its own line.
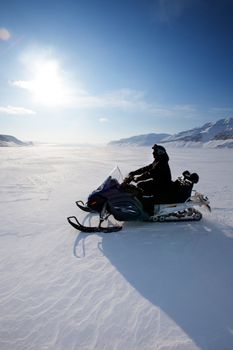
x=158, y=171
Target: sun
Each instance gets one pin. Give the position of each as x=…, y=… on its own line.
x=48, y=85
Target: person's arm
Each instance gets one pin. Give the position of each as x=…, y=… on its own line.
x=141, y=170
x=144, y=173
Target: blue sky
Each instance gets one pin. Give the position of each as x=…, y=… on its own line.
x=98, y=70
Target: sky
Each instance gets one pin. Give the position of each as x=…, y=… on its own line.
x=92, y=71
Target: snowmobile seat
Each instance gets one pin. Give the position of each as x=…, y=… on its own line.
x=179, y=190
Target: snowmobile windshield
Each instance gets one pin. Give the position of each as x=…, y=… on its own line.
x=114, y=179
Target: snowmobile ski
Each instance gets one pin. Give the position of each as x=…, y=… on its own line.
x=91, y=229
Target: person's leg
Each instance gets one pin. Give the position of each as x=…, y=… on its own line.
x=146, y=186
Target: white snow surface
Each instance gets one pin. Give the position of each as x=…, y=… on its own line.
x=151, y=286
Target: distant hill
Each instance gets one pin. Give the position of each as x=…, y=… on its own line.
x=213, y=134
x=140, y=140
x=220, y=130
x=11, y=141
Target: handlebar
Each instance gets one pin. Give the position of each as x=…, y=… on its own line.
x=128, y=179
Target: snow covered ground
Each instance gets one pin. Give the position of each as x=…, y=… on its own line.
x=159, y=286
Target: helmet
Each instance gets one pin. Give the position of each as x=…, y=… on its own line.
x=159, y=150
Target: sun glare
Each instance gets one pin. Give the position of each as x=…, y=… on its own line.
x=48, y=86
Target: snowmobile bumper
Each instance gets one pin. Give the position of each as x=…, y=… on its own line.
x=84, y=207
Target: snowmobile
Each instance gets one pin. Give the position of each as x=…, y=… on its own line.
x=125, y=202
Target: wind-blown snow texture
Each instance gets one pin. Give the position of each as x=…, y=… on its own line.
x=151, y=286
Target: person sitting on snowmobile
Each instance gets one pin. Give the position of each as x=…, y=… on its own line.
x=155, y=178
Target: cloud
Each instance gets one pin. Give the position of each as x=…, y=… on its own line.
x=131, y=101
x=21, y=84
x=128, y=100
x=4, y=34
x=16, y=110
x=103, y=120
x=77, y=97
x=221, y=110
x=51, y=85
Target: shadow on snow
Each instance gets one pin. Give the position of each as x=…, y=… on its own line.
x=183, y=268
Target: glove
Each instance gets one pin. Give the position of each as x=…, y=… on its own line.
x=128, y=179
x=140, y=178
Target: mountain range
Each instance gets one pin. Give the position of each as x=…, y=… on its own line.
x=213, y=134
x=10, y=141
x=141, y=140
